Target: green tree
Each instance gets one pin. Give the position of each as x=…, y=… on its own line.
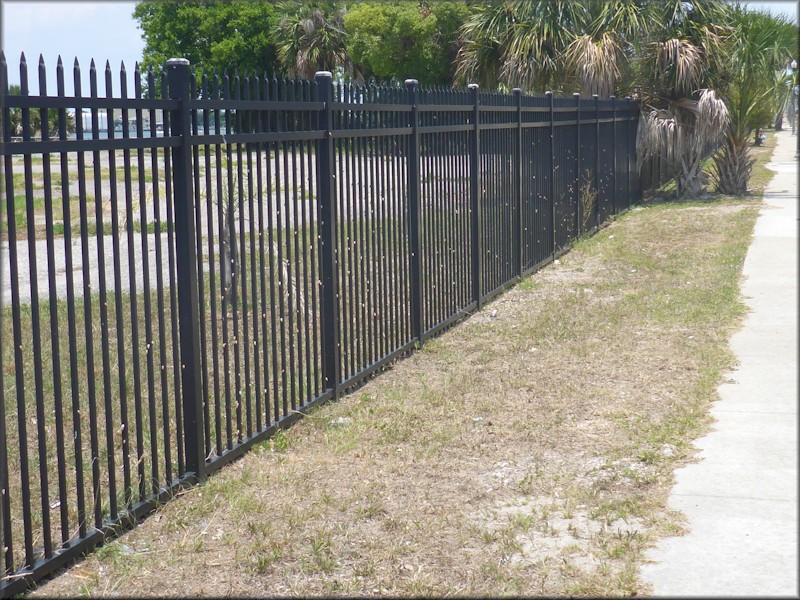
x=311, y=37
x=757, y=48
x=211, y=34
x=407, y=39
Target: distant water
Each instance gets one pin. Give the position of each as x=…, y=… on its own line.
x=103, y=134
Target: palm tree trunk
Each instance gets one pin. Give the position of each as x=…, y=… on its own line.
x=734, y=165
x=690, y=179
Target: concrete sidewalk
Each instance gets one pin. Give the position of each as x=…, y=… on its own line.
x=741, y=498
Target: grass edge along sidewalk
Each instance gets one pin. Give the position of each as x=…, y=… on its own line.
x=528, y=451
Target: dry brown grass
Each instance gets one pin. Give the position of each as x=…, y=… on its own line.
x=527, y=451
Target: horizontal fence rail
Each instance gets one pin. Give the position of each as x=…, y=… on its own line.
x=188, y=267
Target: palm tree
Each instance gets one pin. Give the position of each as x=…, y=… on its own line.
x=311, y=38
x=480, y=57
x=596, y=62
x=519, y=43
x=600, y=57
x=672, y=50
x=683, y=120
x=758, y=46
x=685, y=135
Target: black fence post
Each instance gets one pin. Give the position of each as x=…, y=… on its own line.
x=597, y=160
x=628, y=152
x=614, y=150
x=414, y=214
x=328, y=245
x=475, y=198
x=636, y=181
x=518, y=233
x=550, y=105
x=578, y=207
x=178, y=75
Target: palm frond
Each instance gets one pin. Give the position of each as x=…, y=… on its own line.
x=679, y=62
x=596, y=63
x=311, y=38
x=519, y=42
x=711, y=119
x=698, y=123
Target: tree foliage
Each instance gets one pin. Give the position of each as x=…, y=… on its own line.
x=682, y=51
x=755, y=81
x=665, y=52
x=212, y=34
x=311, y=37
x=520, y=43
x=407, y=39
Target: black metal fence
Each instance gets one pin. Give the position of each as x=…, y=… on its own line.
x=181, y=275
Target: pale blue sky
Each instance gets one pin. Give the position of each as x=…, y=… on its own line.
x=106, y=31
x=86, y=30
x=787, y=8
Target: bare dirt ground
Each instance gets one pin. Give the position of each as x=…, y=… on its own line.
x=527, y=451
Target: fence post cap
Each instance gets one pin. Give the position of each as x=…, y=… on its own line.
x=323, y=75
x=177, y=61
x=595, y=96
x=516, y=91
x=411, y=82
x=576, y=95
x=548, y=93
x=473, y=86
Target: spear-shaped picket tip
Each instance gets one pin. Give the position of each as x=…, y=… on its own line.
x=137, y=78
x=42, y=77
x=60, y=76
x=23, y=75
